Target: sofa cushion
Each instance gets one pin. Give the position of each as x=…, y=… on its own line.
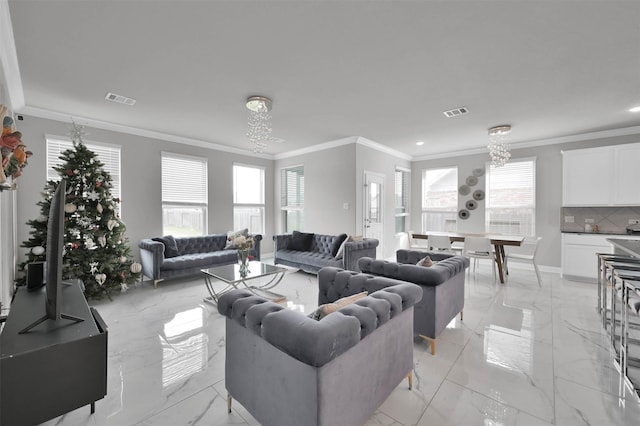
x=232, y=235
x=337, y=243
x=301, y=241
x=353, y=238
x=311, y=258
x=194, y=260
x=170, y=245
x=425, y=261
x=328, y=308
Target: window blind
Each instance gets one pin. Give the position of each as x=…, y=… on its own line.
x=109, y=156
x=184, y=179
x=292, y=190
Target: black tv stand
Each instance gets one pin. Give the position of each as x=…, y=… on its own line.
x=46, y=317
x=61, y=367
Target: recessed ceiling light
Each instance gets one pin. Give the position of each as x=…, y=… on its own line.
x=635, y=109
x=419, y=143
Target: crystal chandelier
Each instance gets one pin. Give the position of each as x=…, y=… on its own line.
x=498, y=148
x=259, y=123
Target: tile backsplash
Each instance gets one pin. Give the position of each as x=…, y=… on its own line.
x=607, y=220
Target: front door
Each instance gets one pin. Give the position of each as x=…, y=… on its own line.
x=373, y=202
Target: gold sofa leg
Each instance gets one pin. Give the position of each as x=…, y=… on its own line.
x=155, y=283
x=410, y=379
x=229, y=399
x=432, y=341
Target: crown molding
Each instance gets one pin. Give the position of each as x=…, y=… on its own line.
x=316, y=148
x=57, y=116
x=382, y=148
x=9, y=58
x=580, y=137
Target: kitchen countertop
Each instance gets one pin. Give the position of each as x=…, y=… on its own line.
x=597, y=233
x=630, y=247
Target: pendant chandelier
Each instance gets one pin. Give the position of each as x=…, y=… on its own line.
x=498, y=148
x=259, y=122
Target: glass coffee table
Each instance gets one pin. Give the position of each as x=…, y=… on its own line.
x=232, y=278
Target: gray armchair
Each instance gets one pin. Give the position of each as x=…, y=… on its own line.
x=288, y=369
x=442, y=285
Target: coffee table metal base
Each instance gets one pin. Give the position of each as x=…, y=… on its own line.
x=236, y=281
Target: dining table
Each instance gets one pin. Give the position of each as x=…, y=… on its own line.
x=497, y=240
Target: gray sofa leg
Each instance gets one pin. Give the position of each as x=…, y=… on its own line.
x=432, y=341
x=229, y=400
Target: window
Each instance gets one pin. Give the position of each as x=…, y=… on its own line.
x=248, y=198
x=402, y=177
x=440, y=199
x=292, y=198
x=510, y=207
x=109, y=156
x=184, y=195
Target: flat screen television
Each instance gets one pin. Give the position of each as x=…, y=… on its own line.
x=54, y=261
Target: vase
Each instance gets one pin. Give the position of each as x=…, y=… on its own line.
x=243, y=259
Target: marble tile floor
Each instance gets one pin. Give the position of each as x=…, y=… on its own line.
x=523, y=355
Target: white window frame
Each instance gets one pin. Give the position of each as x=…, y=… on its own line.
x=511, y=226
x=250, y=221
x=284, y=200
x=108, y=154
x=449, y=222
x=402, y=198
x=176, y=180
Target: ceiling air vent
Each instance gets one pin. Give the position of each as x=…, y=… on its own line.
x=456, y=112
x=120, y=99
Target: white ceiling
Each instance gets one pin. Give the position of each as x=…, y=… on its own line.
x=382, y=70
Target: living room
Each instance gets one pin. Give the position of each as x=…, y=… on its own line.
x=336, y=161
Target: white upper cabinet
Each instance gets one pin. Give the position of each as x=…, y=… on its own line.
x=603, y=176
x=626, y=160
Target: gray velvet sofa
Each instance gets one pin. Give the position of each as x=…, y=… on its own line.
x=191, y=255
x=322, y=251
x=288, y=369
x=442, y=285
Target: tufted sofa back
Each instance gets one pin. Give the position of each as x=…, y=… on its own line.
x=201, y=244
x=446, y=266
x=317, y=342
x=323, y=243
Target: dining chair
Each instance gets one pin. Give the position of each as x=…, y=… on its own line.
x=417, y=243
x=439, y=243
x=479, y=248
x=527, y=251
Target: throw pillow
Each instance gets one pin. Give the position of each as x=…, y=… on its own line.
x=232, y=235
x=337, y=243
x=326, y=309
x=425, y=261
x=351, y=239
x=170, y=245
x=301, y=241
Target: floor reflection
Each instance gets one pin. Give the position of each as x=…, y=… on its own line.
x=508, y=340
x=184, y=346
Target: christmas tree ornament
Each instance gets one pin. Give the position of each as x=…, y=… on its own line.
x=94, y=267
x=37, y=250
x=100, y=278
x=81, y=207
x=70, y=208
x=102, y=240
x=136, y=268
x=123, y=259
x=111, y=223
x=93, y=196
x=89, y=244
x=99, y=208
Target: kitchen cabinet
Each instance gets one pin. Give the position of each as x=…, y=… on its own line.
x=579, y=255
x=602, y=176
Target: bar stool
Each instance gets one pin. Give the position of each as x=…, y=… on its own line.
x=629, y=293
x=606, y=262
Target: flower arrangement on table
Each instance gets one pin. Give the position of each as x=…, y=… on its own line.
x=243, y=244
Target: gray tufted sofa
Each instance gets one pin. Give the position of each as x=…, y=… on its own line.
x=194, y=254
x=442, y=285
x=322, y=252
x=288, y=369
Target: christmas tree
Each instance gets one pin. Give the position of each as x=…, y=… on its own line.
x=95, y=247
